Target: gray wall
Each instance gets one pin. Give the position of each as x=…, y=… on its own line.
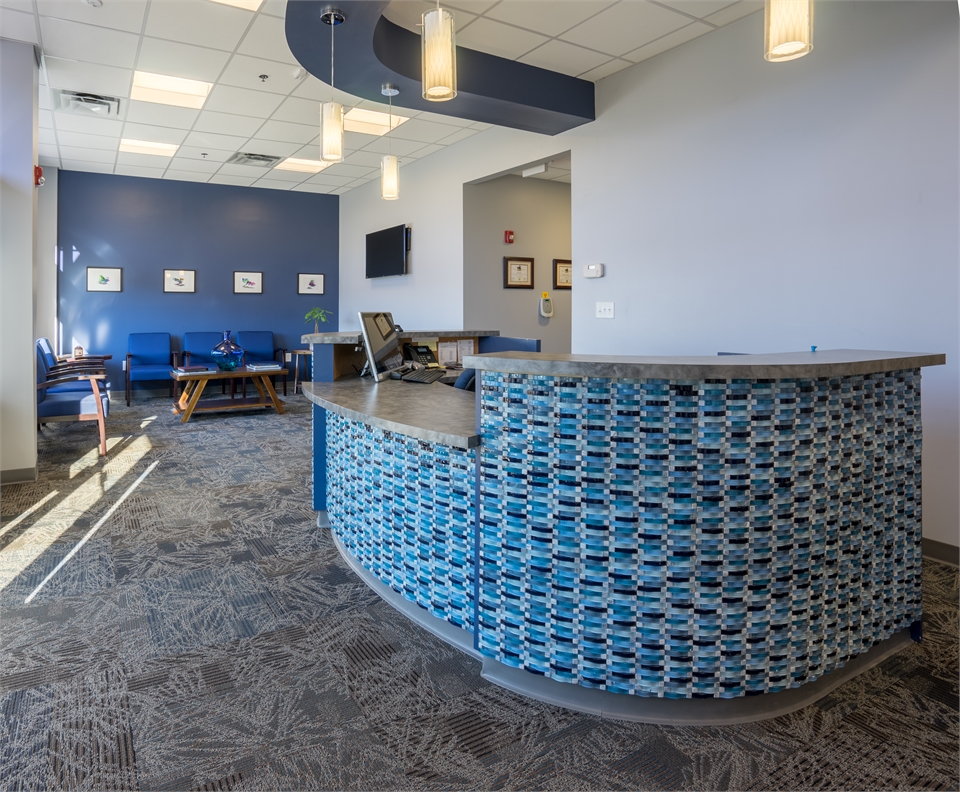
x=538, y=212
x=739, y=205
x=18, y=237
x=47, y=258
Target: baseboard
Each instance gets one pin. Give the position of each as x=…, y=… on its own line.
x=941, y=551
x=18, y=476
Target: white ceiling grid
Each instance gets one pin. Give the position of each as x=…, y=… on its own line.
x=96, y=50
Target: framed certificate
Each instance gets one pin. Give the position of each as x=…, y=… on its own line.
x=562, y=274
x=517, y=273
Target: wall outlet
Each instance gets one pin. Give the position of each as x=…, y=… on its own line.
x=604, y=310
x=288, y=356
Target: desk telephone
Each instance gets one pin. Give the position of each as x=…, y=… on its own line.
x=420, y=354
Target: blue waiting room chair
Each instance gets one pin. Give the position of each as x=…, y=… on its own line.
x=56, y=403
x=257, y=346
x=63, y=371
x=468, y=377
x=149, y=358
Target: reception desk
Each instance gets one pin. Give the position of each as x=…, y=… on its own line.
x=680, y=540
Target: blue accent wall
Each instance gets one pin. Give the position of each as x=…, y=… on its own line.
x=147, y=225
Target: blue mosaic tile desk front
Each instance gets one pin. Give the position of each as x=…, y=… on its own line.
x=651, y=537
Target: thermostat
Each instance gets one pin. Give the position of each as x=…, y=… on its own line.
x=593, y=270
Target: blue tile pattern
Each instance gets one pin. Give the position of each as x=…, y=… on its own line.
x=718, y=538
x=404, y=508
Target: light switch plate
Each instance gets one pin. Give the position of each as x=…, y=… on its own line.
x=604, y=310
x=289, y=356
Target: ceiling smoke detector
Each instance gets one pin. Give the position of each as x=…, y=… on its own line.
x=94, y=3
x=87, y=104
x=257, y=160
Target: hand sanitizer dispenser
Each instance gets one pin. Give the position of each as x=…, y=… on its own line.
x=546, y=305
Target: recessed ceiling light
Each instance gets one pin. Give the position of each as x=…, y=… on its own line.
x=370, y=122
x=302, y=165
x=148, y=147
x=162, y=89
x=246, y=5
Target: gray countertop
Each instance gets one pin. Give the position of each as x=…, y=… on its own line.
x=436, y=413
x=781, y=365
x=353, y=336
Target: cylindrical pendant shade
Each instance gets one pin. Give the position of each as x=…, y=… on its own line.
x=389, y=177
x=439, y=50
x=331, y=132
x=788, y=29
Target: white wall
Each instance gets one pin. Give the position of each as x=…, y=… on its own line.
x=18, y=234
x=47, y=263
x=741, y=206
x=538, y=211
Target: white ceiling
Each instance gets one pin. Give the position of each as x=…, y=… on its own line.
x=96, y=50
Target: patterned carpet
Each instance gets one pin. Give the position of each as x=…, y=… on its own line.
x=206, y=635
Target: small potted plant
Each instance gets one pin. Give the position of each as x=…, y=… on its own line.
x=317, y=315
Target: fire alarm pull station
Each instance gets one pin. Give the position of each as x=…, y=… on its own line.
x=508, y=237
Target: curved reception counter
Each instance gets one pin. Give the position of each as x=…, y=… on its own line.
x=675, y=540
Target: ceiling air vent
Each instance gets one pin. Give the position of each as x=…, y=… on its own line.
x=258, y=160
x=87, y=104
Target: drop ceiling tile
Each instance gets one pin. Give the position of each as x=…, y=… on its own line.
x=155, y=134
x=277, y=8
x=565, y=58
x=181, y=175
x=734, y=12
x=244, y=72
x=137, y=170
x=423, y=131
x=329, y=180
x=354, y=141
x=198, y=22
x=125, y=15
x=82, y=140
x=87, y=154
x=88, y=77
x=46, y=137
x=227, y=124
x=473, y=6
x=250, y=171
x=74, y=41
x=287, y=132
x=606, y=69
x=275, y=148
x=45, y=119
x=408, y=14
x=426, y=151
x=551, y=17
x=48, y=161
x=499, y=39
x=317, y=90
x=143, y=160
x=561, y=162
x=313, y=188
x=298, y=111
x=49, y=150
x=400, y=147
x=227, y=99
x=343, y=169
x=457, y=136
x=291, y=177
x=696, y=8
x=67, y=122
x=160, y=114
x=18, y=26
x=181, y=60
x=671, y=40
x=44, y=99
x=208, y=140
x=271, y=184
x=368, y=159
x=212, y=155
x=89, y=167
x=266, y=39
x=440, y=118
x=480, y=126
x=26, y=6
x=625, y=27
x=565, y=179
x=182, y=163
x=240, y=181
x=341, y=190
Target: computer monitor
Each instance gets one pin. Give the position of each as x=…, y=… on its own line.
x=381, y=342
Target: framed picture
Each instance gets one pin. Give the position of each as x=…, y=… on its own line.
x=562, y=274
x=309, y=284
x=178, y=280
x=248, y=283
x=104, y=279
x=517, y=273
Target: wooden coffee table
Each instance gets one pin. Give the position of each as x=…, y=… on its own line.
x=195, y=381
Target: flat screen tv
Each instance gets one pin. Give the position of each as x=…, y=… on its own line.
x=387, y=252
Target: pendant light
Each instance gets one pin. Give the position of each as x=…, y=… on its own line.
x=788, y=29
x=331, y=113
x=389, y=164
x=439, y=54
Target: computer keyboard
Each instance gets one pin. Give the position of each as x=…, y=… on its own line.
x=424, y=375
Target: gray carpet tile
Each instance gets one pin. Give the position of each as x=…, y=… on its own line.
x=207, y=635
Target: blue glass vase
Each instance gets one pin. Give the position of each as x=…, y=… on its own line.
x=226, y=354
